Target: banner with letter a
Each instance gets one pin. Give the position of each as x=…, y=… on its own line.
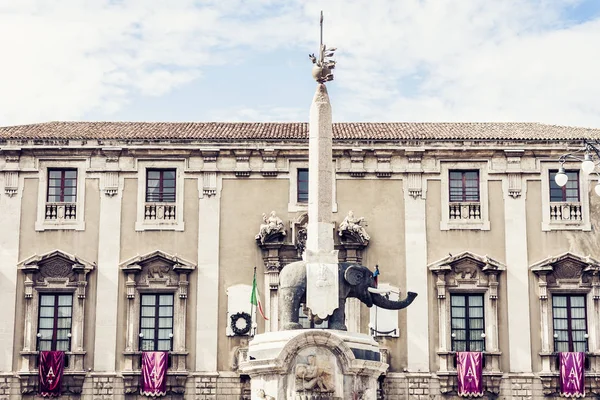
x=51, y=366
x=154, y=373
x=572, y=382
x=469, y=369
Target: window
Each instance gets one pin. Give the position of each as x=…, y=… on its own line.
x=467, y=322
x=303, y=185
x=62, y=186
x=54, y=324
x=567, y=193
x=569, y=322
x=464, y=186
x=160, y=186
x=156, y=322
x=61, y=195
x=160, y=195
x=308, y=321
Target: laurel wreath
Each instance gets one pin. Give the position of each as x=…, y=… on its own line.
x=234, y=319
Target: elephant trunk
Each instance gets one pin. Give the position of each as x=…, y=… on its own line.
x=382, y=302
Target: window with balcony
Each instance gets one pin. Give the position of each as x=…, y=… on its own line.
x=61, y=195
x=464, y=195
x=61, y=202
x=54, y=323
x=156, y=322
x=160, y=196
x=467, y=322
x=565, y=201
x=566, y=207
x=569, y=323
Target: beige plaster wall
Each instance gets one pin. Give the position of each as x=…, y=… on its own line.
x=381, y=203
x=183, y=244
x=242, y=204
x=542, y=245
x=83, y=244
x=442, y=243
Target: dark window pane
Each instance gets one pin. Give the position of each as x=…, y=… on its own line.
x=62, y=185
x=302, y=185
x=569, y=322
x=54, y=321
x=160, y=185
x=570, y=192
x=467, y=322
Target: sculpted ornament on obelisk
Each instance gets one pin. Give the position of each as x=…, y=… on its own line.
x=322, y=286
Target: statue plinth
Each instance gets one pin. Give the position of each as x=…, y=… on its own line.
x=313, y=364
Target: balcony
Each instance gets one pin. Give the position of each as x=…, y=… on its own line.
x=565, y=212
x=60, y=212
x=465, y=211
x=160, y=212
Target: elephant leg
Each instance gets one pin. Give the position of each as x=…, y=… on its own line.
x=289, y=305
x=337, y=320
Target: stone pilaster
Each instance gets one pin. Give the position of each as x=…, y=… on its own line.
x=517, y=277
x=416, y=266
x=10, y=220
x=109, y=244
x=208, y=272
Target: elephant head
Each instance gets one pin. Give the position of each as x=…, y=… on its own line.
x=363, y=286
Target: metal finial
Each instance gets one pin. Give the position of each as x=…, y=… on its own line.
x=324, y=64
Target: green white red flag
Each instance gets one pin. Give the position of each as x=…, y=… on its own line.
x=255, y=297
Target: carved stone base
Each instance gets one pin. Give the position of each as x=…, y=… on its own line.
x=491, y=384
x=313, y=364
x=72, y=382
x=175, y=382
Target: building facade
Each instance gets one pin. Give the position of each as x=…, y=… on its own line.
x=124, y=237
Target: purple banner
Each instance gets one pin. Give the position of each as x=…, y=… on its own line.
x=469, y=370
x=154, y=373
x=572, y=382
x=51, y=366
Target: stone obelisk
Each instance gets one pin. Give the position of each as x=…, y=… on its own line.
x=322, y=269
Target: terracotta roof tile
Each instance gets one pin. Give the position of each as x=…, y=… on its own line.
x=293, y=131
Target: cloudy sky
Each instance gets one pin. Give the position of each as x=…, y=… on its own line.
x=246, y=60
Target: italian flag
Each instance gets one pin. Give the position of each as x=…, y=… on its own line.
x=255, y=297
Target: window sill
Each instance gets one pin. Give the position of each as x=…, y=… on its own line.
x=159, y=226
x=566, y=226
x=465, y=225
x=50, y=225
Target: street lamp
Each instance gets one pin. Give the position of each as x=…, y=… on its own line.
x=591, y=158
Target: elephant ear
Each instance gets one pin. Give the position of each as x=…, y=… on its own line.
x=354, y=275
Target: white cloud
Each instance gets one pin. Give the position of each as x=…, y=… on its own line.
x=427, y=60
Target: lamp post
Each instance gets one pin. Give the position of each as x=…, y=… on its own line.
x=589, y=156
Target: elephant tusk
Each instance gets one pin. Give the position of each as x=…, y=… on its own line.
x=378, y=291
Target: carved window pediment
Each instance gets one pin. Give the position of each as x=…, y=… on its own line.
x=467, y=270
x=55, y=270
x=157, y=270
x=567, y=270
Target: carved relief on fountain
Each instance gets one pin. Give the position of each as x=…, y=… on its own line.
x=313, y=375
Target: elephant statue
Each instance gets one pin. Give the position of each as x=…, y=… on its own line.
x=354, y=281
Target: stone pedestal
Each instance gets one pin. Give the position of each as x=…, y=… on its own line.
x=312, y=364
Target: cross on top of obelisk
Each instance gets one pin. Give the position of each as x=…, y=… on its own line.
x=323, y=64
